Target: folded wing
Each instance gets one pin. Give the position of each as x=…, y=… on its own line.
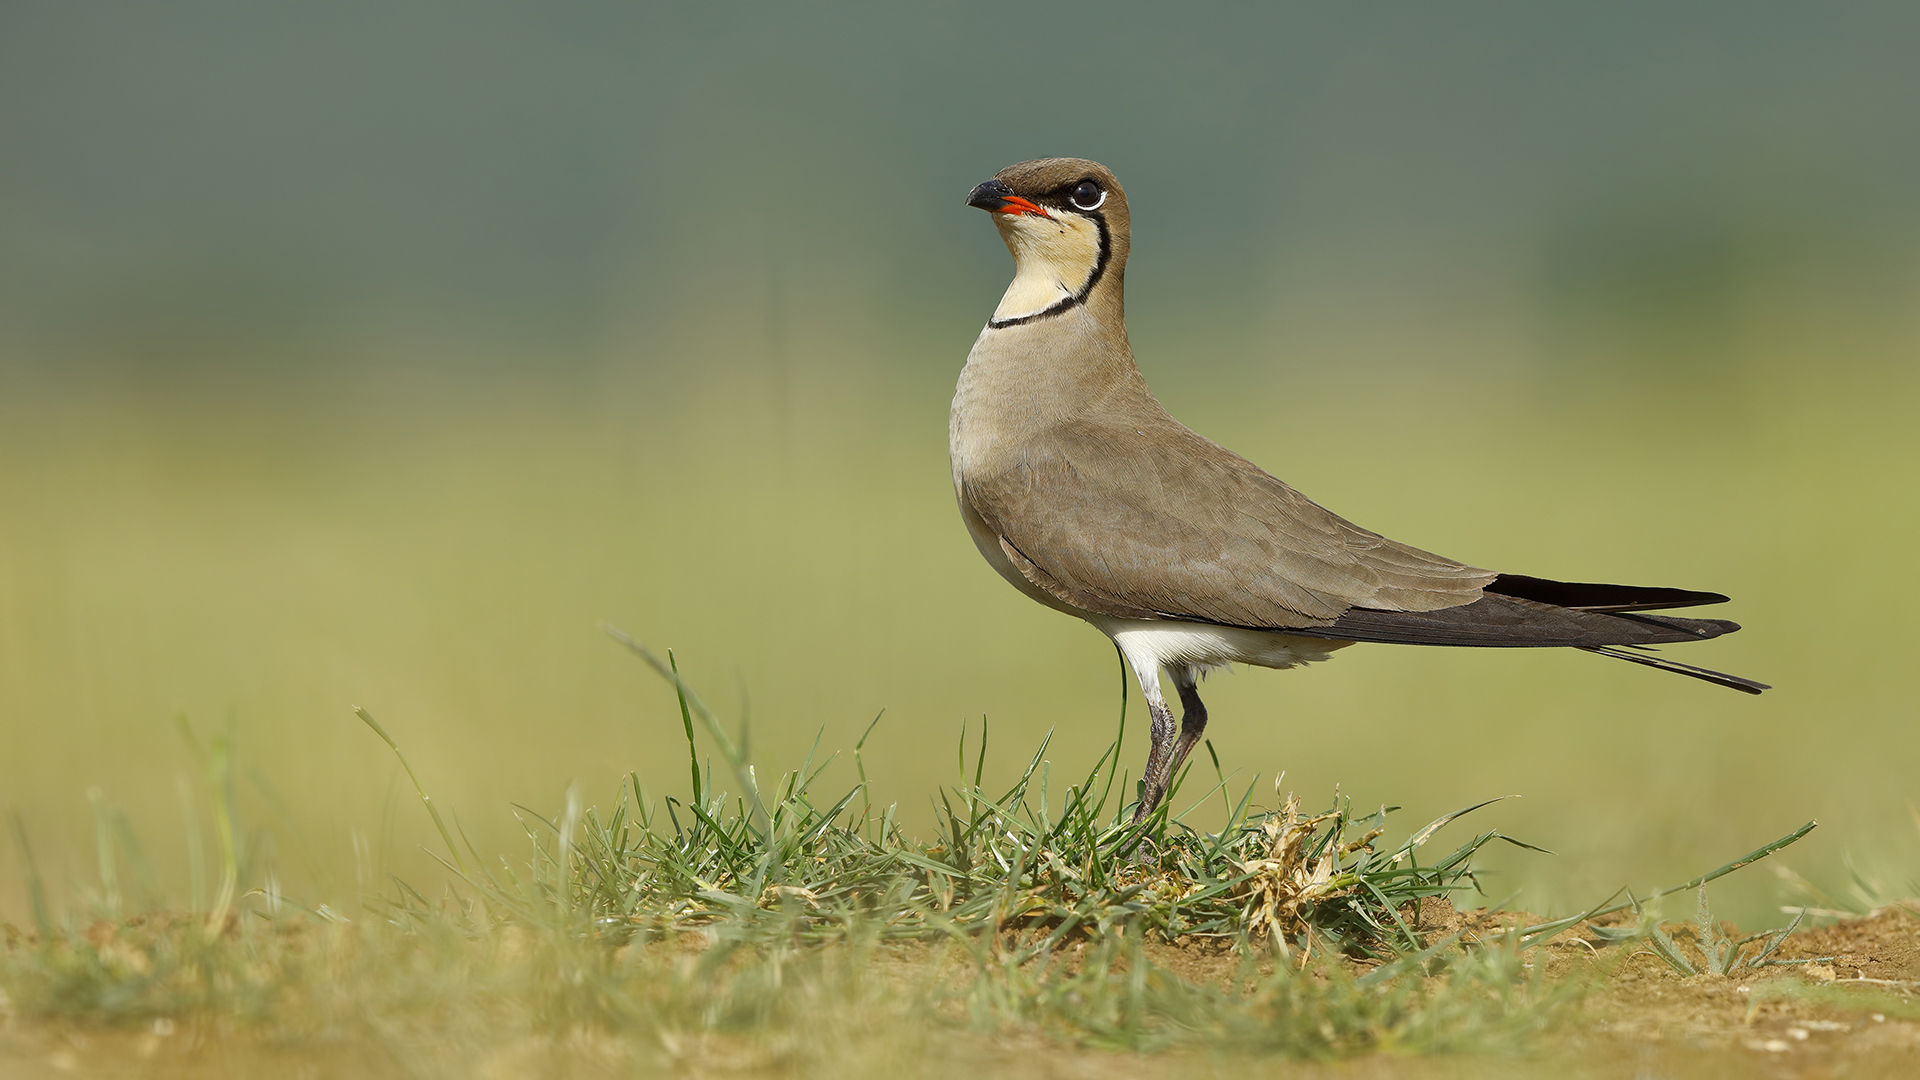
x=1121, y=523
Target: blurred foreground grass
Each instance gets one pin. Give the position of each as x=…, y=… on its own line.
x=261, y=554
x=767, y=929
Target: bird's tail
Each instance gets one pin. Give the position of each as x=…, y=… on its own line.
x=1646, y=658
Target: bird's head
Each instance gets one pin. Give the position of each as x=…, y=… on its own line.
x=1065, y=221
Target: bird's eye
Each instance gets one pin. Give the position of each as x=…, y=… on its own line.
x=1088, y=196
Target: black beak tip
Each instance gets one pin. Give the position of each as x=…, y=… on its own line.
x=989, y=196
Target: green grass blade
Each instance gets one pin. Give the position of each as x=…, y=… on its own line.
x=729, y=750
x=426, y=800
x=686, y=719
x=36, y=888
x=1542, y=931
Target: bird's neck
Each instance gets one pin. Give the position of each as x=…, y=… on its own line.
x=1021, y=380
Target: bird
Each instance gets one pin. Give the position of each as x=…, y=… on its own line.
x=1082, y=491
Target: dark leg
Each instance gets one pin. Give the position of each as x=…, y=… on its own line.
x=1159, y=756
x=1169, y=751
x=1193, y=716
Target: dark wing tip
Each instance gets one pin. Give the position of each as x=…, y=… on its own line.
x=1496, y=621
x=1703, y=628
x=1596, y=596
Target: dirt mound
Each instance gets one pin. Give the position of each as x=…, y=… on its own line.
x=1884, y=945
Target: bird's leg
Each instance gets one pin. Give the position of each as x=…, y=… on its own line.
x=1170, y=751
x=1193, y=715
x=1160, y=754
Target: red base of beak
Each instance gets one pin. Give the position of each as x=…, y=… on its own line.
x=1014, y=204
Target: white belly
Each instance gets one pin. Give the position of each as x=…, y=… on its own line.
x=1167, y=644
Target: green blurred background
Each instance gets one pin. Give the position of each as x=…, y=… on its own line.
x=371, y=354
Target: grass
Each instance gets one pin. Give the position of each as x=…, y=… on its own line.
x=776, y=926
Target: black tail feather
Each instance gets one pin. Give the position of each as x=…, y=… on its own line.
x=1718, y=678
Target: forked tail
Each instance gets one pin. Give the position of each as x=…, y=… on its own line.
x=1636, y=655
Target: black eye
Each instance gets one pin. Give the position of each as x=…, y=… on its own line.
x=1088, y=196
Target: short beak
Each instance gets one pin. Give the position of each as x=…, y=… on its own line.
x=994, y=197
